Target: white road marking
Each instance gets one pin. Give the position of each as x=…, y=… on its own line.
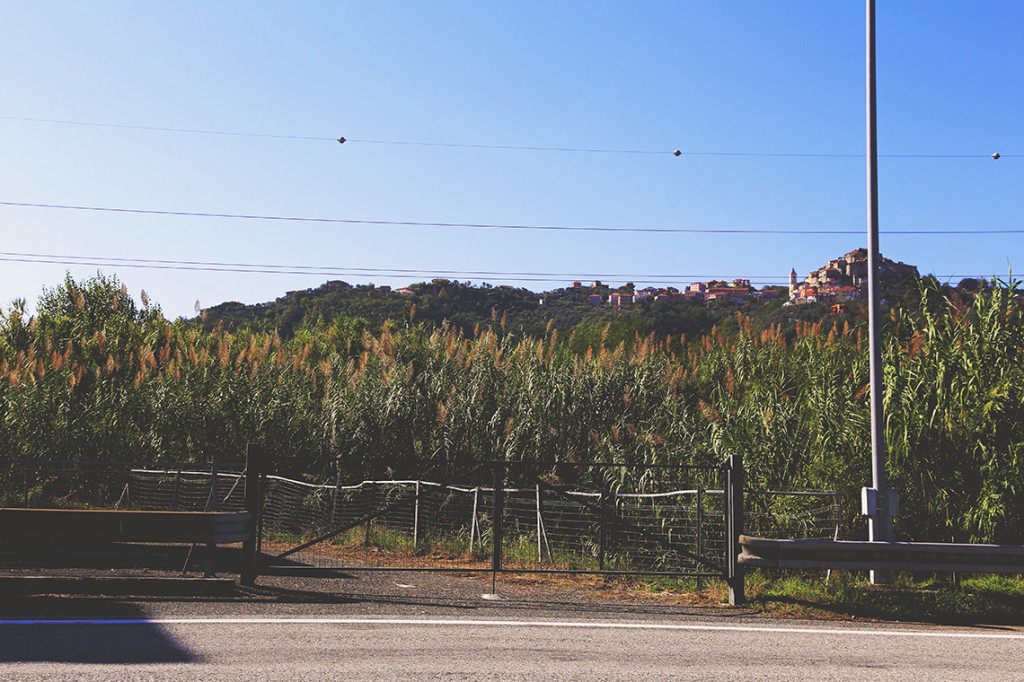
x=600, y=625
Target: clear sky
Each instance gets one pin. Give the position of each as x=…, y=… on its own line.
x=721, y=76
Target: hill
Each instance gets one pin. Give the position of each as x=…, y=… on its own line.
x=593, y=311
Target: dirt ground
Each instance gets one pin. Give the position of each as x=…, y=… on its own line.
x=159, y=571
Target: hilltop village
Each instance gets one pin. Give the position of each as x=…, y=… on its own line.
x=688, y=308
x=845, y=279
x=840, y=280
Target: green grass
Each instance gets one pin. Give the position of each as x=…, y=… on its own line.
x=983, y=599
x=976, y=599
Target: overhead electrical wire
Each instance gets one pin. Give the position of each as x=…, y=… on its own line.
x=269, y=268
x=388, y=271
x=164, y=129
x=492, y=226
x=523, y=148
x=506, y=147
x=291, y=269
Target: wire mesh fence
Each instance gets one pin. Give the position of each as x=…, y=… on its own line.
x=615, y=518
x=122, y=485
x=402, y=524
x=606, y=518
x=793, y=515
x=553, y=517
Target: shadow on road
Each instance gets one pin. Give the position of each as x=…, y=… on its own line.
x=31, y=638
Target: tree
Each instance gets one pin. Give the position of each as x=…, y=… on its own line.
x=75, y=310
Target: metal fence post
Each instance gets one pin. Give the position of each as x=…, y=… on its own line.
x=253, y=482
x=474, y=527
x=211, y=548
x=214, y=485
x=839, y=516
x=497, y=529
x=700, y=535
x=177, y=488
x=602, y=537
x=734, y=526
x=540, y=547
x=416, y=517
x=337, y=490
x=369, y=511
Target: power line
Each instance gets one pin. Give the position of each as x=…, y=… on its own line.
x=342, y=139
x=491, y=226
x=265, y=268
x=162, y=129
x=504, y=147
x=523, y=148
x=291, y=269
x=386, y=271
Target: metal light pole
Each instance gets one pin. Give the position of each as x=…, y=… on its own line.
x=878, y=503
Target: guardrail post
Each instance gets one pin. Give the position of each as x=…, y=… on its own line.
x=253, y=481
x=734, y=528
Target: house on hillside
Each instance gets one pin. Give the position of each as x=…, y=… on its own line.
x=619, y=299
x=737, y=290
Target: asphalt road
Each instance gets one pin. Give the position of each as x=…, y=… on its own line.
x=432, y=627
x=372, y=649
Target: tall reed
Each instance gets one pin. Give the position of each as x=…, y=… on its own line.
x=94, y=376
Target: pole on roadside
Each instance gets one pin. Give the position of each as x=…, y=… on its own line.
x=254, y=462
x=879, y=503
x=734, y=482
x=497, y=531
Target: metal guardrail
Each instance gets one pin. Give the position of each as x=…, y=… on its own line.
x=897, y=556
x=92, y=526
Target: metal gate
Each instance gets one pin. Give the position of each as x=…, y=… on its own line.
x=530, y=517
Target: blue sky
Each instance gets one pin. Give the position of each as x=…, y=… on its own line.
x=720, y=76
